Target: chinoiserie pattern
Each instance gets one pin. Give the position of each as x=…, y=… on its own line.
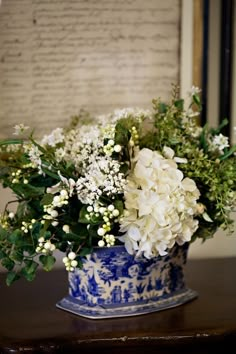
x=114, y=283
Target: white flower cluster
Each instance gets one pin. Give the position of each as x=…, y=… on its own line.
x=34, y=156
x=139, y=114
x=219, y=143
x=80, y=144
x=134, y=112
x=20, y=129
x=102, y=176
x=160, y=205
x=56, y=137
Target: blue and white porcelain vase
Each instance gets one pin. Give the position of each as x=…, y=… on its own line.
x=113, y=283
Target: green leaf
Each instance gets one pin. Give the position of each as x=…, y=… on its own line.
x=43, y=232
x=41, y=181
x=11, y=142
x=124, y=168
x=16, y=237
x=8, y=263
x=22, y=209
x=119, y=205
x=3, y=233
x=82, y=217
x=122, y=134
x=228, y=153
x=215, y=131
x=30, y=265
x=47, y=199
x=196, y=99
x=11, y=277
x=17, y=255
x=38, y=146
x=51, y=174
x=27, y=190
x=2, y=254
x=162, y=107
x=71, y=237
x=47, y=262
x=84, y=251
x=29, y=271
x=179, y=104
x=28, y=276
x=203, y=139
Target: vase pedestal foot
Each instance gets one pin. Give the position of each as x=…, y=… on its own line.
x=80, y=308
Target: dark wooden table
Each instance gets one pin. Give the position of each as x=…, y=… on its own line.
x=30, y=322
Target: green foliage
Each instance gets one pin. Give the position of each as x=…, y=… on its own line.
x=11, y=277
x=29, y=270
x=49, y=215
x=47, y=262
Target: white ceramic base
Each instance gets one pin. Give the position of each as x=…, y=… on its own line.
x=72, y=305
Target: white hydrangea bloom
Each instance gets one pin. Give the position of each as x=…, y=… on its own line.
x=160, y=205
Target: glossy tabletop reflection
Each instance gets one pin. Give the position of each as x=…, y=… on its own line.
x=30, y=321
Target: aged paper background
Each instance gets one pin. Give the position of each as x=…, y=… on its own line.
x=58, y=56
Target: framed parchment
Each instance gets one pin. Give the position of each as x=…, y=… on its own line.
x=58, y=56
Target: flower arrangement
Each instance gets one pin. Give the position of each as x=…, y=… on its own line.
x=145, y=179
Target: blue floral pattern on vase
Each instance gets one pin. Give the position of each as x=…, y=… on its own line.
x=113, y=283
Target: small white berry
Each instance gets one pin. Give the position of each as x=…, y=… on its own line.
x=66, y=228
x=54, y=213
x=117, y=148
x=101, y=231
x=47, y=245
x=55, y=223
x=131, y=142
x=74, y=263
x=52, y=248
x=63, y=193
x=65, y=260
x=101, y=243
x=56, y=199
x=71, y=255
x=111, y=207
x=111, y=142
x=115, y=212
x=11, y=215
x=101, y=210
